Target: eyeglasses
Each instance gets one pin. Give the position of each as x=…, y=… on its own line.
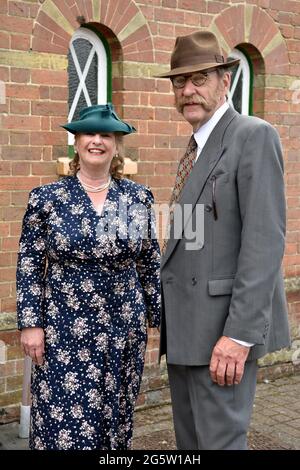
x=197, y=79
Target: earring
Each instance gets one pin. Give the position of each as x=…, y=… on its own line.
x=116, y=155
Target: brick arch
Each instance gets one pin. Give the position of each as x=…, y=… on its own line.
x=249, y=24
x=56, y=23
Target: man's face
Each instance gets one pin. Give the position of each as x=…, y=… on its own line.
x=199, y=103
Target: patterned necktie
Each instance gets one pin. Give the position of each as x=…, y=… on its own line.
x=184, y=168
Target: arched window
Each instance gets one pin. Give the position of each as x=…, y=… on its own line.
x=89, y=72
x=240, y=90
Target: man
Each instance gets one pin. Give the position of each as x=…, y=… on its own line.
x=223, y=300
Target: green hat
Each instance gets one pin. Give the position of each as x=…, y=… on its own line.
x=98, y=118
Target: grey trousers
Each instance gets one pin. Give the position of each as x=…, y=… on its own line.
x=207, y=416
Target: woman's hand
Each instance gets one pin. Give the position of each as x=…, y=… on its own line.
x=33, y=344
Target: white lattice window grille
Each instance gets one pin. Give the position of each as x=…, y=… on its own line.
x=239, y=94
x=87, y=72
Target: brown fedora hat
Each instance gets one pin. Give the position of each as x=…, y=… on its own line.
x=195, y=52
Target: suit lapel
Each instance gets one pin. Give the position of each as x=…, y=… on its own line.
x=208, y=159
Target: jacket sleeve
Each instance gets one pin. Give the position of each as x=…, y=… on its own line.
x=260, y=187
x=31, y=263
x=148, y=267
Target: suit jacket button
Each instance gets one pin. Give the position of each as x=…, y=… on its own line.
x=208, y=207
x=194, y=281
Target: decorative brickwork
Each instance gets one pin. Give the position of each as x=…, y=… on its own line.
x=57, y=21
x=249, y=24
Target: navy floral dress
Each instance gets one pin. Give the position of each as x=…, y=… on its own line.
x=92, y=283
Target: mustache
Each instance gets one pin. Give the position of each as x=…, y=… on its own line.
x=183, y=101
x=197, y=100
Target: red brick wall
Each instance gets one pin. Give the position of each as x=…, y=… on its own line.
x=36, y=103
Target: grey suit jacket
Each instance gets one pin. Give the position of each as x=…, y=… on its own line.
x=232, y=283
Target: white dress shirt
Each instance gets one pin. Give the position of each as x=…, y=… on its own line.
x=201, y=137
x=203, y=133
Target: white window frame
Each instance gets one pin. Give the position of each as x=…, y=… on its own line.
x=99, y=49
x=242, y=67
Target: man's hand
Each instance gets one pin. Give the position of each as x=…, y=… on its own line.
x=33, y=344
x=227, y=362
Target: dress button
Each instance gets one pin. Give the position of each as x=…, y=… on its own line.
x=194, y=281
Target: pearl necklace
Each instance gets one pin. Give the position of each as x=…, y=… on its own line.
x=94, y=189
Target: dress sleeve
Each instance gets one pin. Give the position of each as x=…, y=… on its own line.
x=31, y=263
x=148, y=267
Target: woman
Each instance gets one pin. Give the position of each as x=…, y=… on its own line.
x=88, y=281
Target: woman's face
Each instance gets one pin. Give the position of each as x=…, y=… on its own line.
x=96, y=150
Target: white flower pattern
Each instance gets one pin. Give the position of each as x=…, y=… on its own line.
x=93, y=294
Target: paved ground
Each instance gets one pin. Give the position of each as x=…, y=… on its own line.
x=275, y=424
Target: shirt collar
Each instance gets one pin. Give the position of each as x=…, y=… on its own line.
x=203, y=133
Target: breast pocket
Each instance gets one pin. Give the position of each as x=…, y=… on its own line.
x=219, y=175
x=217, y=179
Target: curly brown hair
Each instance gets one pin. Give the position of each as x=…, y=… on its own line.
x=117, y=164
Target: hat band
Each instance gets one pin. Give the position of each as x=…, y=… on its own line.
x=204, y=59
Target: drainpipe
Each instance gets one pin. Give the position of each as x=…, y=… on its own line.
x=26, y=400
